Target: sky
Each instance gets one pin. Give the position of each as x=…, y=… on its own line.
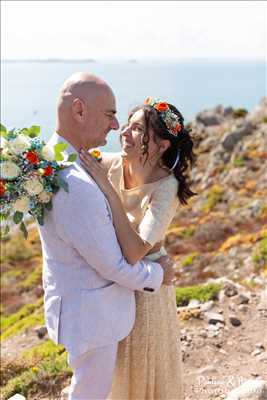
x=134, y=29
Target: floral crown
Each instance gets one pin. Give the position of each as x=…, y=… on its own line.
x=170, y=119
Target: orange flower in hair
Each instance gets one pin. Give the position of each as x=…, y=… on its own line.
x=177, y=128
x=171, y=119
x=161, y=107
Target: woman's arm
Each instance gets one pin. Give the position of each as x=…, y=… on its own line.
x=134, y=248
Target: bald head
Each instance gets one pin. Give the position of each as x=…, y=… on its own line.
x=81, y=85
x=86, y=104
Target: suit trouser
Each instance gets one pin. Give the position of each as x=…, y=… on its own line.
x=92, y=373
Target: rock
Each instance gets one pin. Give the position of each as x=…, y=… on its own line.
x=242, y=299
x=207, y=306
x=209, y=118
x=209, y=369
x=213, y=318
x=230, y=140
x=193, y=303
x=230, y=290
x=234, y=320
x=262, y=357
x=228, y=111
x=243, y=308
x=17, y=397
x=262, y=306
x=213, y=328
x=41, y=331
x=202, y=333
x=256, y=352
x=260, y=346
x=252, y=389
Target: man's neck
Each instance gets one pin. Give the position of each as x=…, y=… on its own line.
x=69, y=137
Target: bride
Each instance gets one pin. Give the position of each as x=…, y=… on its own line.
x=144, y=184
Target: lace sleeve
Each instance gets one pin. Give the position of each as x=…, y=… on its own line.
x=160, y=212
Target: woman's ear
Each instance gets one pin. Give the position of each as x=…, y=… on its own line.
x=78, y=109
x=164, y=145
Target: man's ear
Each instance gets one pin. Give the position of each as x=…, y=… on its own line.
x=78, y=109
x=164, y=145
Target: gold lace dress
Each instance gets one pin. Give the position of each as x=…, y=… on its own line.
x=149, y=361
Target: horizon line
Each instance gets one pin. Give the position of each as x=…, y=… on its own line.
x=132, y=60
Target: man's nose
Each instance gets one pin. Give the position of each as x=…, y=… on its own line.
x=115, y=124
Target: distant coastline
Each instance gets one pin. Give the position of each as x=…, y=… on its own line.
x=50, y=60
x=135, y=61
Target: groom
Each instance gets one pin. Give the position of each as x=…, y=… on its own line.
x=89, y=287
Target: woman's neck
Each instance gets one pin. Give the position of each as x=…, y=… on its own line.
x=136, y=174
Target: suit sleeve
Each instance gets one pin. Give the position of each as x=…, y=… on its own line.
x=84, y=220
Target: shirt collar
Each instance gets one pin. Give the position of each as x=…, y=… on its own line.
x=56, y=138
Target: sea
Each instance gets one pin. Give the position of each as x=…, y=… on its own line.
x=29, y=89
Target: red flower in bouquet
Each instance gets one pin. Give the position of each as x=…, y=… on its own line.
x=48, y=171
x=2, y=188
x=32, y=157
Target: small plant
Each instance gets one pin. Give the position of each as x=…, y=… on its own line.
x=265, y=120
x=199, y=292
x=240, y=112
x=189, y=259
x=239, y=162
x=259, y=258
x=215, y=195
x=28, y=316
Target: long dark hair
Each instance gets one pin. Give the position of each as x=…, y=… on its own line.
x=181, y=143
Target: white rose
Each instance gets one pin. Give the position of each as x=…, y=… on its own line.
x=20, y=144
x=22, y=204
x=48, y=153
x=44, y=196
x=9, y=170
x=34, y=186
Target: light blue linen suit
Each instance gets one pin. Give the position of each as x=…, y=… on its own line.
x=89, y=287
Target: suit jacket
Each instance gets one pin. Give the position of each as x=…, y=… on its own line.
x=89, y=287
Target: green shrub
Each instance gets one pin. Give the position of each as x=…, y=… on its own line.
x=27, y=317
x=189, y=259
x=239, y=162
x=39, y=379
x=32, y=279
x=260, y=256
x=240, y=112
x=215, y=195
x=200, y=292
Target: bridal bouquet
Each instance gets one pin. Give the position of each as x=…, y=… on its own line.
x=28, y=176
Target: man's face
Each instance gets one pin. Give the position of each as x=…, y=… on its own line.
x=100, y=120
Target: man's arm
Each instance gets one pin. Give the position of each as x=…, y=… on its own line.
x=83, y=219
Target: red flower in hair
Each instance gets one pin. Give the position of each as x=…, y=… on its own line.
x=177, y=128
x=161, y=107
x=32, y=157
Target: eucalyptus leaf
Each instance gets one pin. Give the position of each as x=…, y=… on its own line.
x=59, y=148
x=34, y=131
x=59, y=157
x=24, y=230
x=3, y=217
x=18, y=217
x=72, y=157
x=3, y=131
x=4, y=230
x=64, y=185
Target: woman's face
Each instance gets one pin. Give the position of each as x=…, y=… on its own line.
x=131, y=137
